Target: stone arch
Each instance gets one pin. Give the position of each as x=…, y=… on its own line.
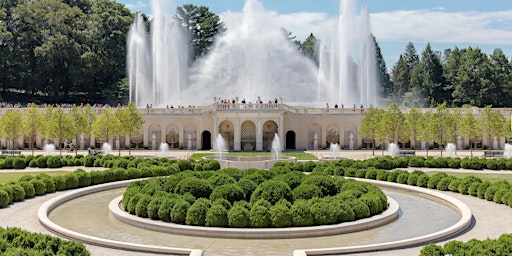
x=190, y=136
x=155, y=136
x=270, y=128
x=248, y=135
x=172, y=136
x=206, y=139
x=333, y=135
x=315, y=134
x=290, y=140
x=227, y=131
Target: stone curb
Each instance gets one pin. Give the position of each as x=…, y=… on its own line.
x=390, y=215
x=462, y=209
x=51, y=204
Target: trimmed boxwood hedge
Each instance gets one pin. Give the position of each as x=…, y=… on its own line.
x=272, y=202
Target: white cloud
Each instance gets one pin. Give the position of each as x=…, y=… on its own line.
x=493, y=28
x=137, y=6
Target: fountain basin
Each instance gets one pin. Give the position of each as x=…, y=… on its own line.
x=248, y=162
x=331, y=158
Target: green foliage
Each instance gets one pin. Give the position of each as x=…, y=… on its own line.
x=39, y=186
x=230, y=192
x=4, y=198
x=324, y=212
x=260, y=217
x=179, y=211
x=217, y=216
x=301, y=214
x=306, y=191
x=28, y=188
x=432, y=250
x=141, y=208
x=196, y=213
x=325, y=183
x=19, y=163
x=280, y=216
x=272, y=191
x=195, y=186
x=238, y=217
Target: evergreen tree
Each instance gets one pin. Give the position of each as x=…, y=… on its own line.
x=427, y=77
x=309, y=48
x=472, y=77
x=383, y=75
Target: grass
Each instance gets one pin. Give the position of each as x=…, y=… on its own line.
x=298, y=155
x=484, y=175
x=13, y=176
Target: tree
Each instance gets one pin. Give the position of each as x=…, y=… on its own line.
x=469, y=128
x=61, y=126
x=442, y=125
x=400, y=77
x=472, y=77
x=10, y=127
x=81, y=123
x=202, y=26
x=106, y=126
x=499, y=91
x=393, y=124
x=451, y=70
x=492, y=123
x=309, y=48
x=382, y=71
x=413, y=121
x=44, y=122
x=132, y=122
x=370, y=126
x=427, y=78
x=31, y=124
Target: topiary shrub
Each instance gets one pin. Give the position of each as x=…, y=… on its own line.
x=272, y=191
x=4, y=198
x=324, y=212
x=422, y=181
x=402, y=178
x=432, y=250
x=217, y=216
x=19, y=163
x=471, y=163
x=259, y=217
x=41, y=162
x=71, y=181
x=195, y=186
x=374, y=204
x=432, y=181
x=454, y=185
x=97, y=177
x=306, y=191
x=88, y=161
x=84, y=178
x=500, y=193
x=54, y=162
x=466, y=183
x=179, y=211
x=280, y=216
x=301, y=214
x=247, y=186
x=392, y=176
x=39, y=187
x=18, y=192
x=238, y=217
x=230, y=192
x=444, y=183
x=220, y=179
x=371, y=173
x=482, y=189
x=29, y=189
x=141, y=208
x=491, y=190
x=196, y=213
x=361, y=209
x=345, y=212
x=132, y=202
x=293, y=179
x=164, y=210
x=412, y=179
x=325, y=183
x=153, y=207
x=417, y=161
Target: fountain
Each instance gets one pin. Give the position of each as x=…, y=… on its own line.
x=49, y=149
x=276, y=148
x=450, y=150
x=507, y=151
x=335, y=149
x=106, y=148
x=220, y=147
x=164, y=149
x=245, y=65
x=393, y=149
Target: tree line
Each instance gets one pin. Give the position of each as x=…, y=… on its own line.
x=442, y=126
x=74, y=51
x=59, y=124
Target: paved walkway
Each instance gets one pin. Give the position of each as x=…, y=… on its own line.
x=490, y=219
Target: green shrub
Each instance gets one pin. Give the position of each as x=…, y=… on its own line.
x=247, y=186
x=412, y=179
x=54, y=162
x=238, y=217
x=491, y=190
x=4, y=198
x=154, y=206
x=500, y=193
x=225, y=203
x=132, y=203
x=350, y=172
x=345, y=212
x=361, y=209
x=230, y=192
x=402, y=178
x=185, y=165
x=19, y=163
x=417, y=161
x=454, y=185
x=371, y=173
x=41, y=162
x=18, y=192
x=164, y=210
x=293, y=179
x=422, y=181
x=259, y=217
x=88, y=161
x=8, y=163
x=361, y=173
x=306, y=191
x=196, y=213
x=217, y=216
x=444, y=183
x=301, y=214
x=432, y=181
x=309, y=166
x=482, y=189
x=392, y=176
x=220, y=179
x=432, y=250
x=141, y=208
x=71, y=181
x=179, y=211
x=39, y=187
x=471, y=163
x=272, y=191
x=466, y=183
x=97, y=177
x=29, y=189
x=473, y=188
x=325, y=183
x=280, y=216
x=195, y=186
x=84, y=178
x=324, y=212
x=374, y=204
x=384, y=163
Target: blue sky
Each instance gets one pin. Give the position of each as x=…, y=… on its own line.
x=443, y=23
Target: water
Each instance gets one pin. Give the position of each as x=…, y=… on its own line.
x=393, y=149
x=335, y=150
x=89, y=215
x=253, y=58
x=106, y=148
x=49, y=149
x=507, y=151
x=348, y=69
x=450, y=150
x=276, y=148
x=220, y=146
x=164, y=149
x=157, y=66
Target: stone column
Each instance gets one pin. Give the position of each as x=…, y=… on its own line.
x=145, y=140
x=281, y=132
x=238, y=135
x=153, y=140
x=259, y=136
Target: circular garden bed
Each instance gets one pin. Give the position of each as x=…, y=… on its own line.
x=253, y=199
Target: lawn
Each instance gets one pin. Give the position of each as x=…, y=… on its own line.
x=491, y=176
x=12, y=176
x=298, y=155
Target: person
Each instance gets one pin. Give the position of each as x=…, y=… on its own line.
x=243, y=101
x=326, y=107
x=336, y=105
